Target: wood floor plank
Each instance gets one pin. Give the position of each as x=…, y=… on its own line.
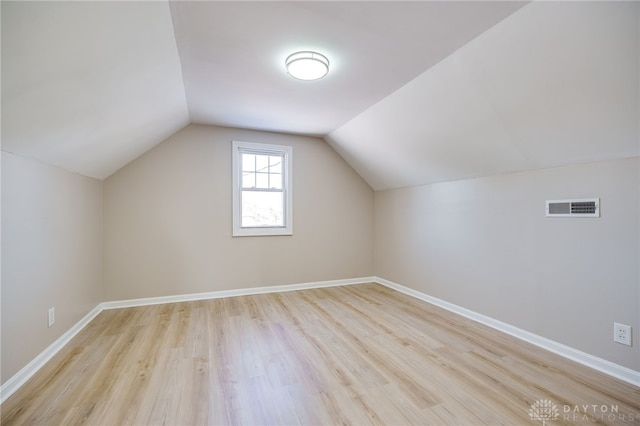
x=353, y=355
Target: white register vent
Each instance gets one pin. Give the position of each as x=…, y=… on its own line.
x=585, y=207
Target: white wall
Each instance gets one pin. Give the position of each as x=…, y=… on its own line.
x=168, y=220
x=483, y=244
x=486, y=245
x=51, y=255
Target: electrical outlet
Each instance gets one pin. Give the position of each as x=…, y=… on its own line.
x=622, y=333
x=52, y=316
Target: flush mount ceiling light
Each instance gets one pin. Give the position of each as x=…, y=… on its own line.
x=307, y=65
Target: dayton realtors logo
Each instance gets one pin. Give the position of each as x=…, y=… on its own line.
x=545, y=410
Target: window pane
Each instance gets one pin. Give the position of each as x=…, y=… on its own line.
x=275, y=164
x=248, y=180
x=262, y=163
x=248, y=162
x=275, y=181
x=262, y=180
x=262, y=209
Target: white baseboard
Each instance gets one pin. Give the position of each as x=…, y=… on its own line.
x=20, y=378
x=618, y=371
x=232, y=293
x=607, y=367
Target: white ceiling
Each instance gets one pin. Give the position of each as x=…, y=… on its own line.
x=418, y=92
x=233, y=54
x=557, y=83
x=89, y=86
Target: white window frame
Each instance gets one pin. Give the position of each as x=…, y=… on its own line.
x=239, y=147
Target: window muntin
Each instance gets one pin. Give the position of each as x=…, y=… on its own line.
x=262, y=189
x=262, y=171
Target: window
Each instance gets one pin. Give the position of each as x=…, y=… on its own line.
x=262, y=189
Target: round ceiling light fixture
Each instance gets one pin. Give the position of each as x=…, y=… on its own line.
x=307, y=65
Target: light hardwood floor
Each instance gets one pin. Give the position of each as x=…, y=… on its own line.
x=356, y=355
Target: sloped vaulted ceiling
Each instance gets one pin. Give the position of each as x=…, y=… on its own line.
x=89, y=86
x=233, y=54
x=556, y=83
x=418, y=91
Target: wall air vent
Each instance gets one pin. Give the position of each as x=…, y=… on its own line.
x=586, y=207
